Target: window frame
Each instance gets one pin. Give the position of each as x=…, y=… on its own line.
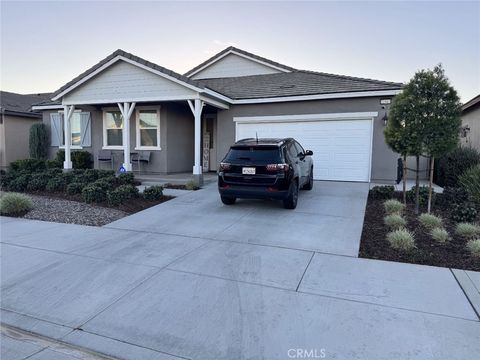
x=138, y=145
x=73, y=147
x=105, y=145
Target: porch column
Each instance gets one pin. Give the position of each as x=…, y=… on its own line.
x=126, y=109
x=197, y=113
x=67, y=115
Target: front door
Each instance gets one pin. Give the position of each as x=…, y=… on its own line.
x=209, y=153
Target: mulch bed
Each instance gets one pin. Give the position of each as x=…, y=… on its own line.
x=374, y=245
x=70, y=209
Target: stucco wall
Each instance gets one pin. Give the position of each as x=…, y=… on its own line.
x=176, y=134
x=14, y=134
x=472, y=119
x=384, y=161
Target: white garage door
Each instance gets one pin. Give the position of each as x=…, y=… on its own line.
x=341, y=148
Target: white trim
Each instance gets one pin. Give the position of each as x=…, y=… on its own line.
x=138, y=145
x=104, y=130
x=214, y=103
x=47, y=107
x=73, y=147
x=130, y=99
x=122, y=58
x=319, y=97
x=372, y=124
x=307, y=117
x=241, y=55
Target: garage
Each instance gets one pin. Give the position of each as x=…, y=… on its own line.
x=341, y=143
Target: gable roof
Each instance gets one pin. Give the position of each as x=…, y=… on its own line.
x=125, y=55
x=19, y=104
x=470, y=105
x=295, y=83
x=234, y=50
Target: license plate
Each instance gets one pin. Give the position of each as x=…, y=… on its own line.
x=248, y=171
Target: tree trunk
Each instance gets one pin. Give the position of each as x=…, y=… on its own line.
x=430, y=184
x=405, y=179
x=417, y=186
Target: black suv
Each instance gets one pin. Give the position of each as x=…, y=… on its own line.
x=265, y=168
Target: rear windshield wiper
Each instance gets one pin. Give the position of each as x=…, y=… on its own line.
x=244, y=158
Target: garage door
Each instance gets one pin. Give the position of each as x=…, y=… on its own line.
x=341, y=148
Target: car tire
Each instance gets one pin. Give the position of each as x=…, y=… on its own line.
x=292, y=199
x=228, y=200
x=309, y=184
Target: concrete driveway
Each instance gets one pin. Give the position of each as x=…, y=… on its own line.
x=169, y=283
x=328, y=219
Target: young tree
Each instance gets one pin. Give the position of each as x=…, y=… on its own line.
x=442, y=113
x=424, y=120
x=38, y=141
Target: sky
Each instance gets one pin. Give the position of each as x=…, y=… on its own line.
x=43, y=45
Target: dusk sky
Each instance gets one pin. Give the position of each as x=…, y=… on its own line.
x=46, y=44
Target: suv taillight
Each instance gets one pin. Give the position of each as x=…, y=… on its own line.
x=277, y=167
x=225, y=166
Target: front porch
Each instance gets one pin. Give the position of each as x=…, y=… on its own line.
x=124, y=108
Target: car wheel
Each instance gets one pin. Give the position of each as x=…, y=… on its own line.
x=309, y=184
x=291, y=201
x=228, y=200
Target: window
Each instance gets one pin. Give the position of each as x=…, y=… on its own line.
x=80, y=127
x=148, y=129
x=112, y=129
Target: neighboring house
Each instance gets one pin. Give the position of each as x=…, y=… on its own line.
x=125, y=105
x=470, y=134
x=15, y=122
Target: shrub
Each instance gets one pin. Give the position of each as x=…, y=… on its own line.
x=382, y=192
x=430, y=221
x=90, y=175
x=38, y=141
x=121, y=194
x=28, y=165
x=454, y=164
x=153, y=193
x=38, y=182
x=81, y=159
x=439, y=234
x=453, y=195
x=191, y=185
x=56, y=183
x=19, y=183
x=401, y=239
x=6, y=178
x=53, y=164
x=467, y=230
x=393, y=207
x=92, y=193
x=394, y=221
x=106, y=183
x=464, y=212
x=474, y=247
x=126, y=178
x=423, y=195
x=14, y=203
x=470, y=182
x=105, y=173
x=75, y=188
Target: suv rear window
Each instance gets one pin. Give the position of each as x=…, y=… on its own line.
x=263, y=154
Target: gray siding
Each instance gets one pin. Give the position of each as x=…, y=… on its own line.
x=234, y=65
x=176, y=134
x=472, y=119
x=384, y=161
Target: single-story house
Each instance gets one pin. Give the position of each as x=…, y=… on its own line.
x=470, y=134
x=15, y=122
x=130, y=108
